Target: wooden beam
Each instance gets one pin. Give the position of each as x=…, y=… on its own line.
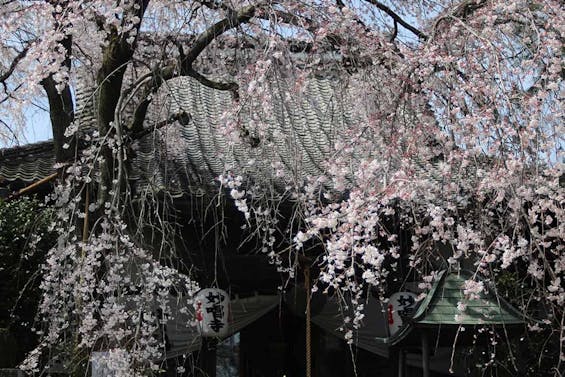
x=425, y=354
x=401, y=363
x=33, y=186
x=207, y=358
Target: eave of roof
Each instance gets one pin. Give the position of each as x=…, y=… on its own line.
x=440, y=305
x=439, y=308
x=28, y=163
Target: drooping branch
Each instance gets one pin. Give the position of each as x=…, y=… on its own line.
x=398, y=19
x=22, y=54
x=186, y=61
x=183, y=117
x=461, y=11
x=204, y=39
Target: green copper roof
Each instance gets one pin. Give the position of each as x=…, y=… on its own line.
x=440, y=305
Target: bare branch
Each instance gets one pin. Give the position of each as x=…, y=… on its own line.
x=398, y=19
x=233, y=20
x=11, y=130
x=183, y=117
x=14, y=64
x=204, y=39
x=231, y=86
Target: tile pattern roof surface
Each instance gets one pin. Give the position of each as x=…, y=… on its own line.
x=33, y=162
x=180, y=157
x=440, y=305
x=299, y=135
x=28, y=162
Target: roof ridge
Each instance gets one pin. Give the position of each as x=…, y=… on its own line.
x=40, y=146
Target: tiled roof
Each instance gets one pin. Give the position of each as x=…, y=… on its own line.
x=299, y=135
x=35, y=161
x=180, y=158
x=440, y=306
x=28, y=162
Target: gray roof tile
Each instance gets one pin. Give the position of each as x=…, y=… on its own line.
x=180, y=158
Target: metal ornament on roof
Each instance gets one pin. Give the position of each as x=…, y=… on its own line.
x=401, y=306
x=212, y=312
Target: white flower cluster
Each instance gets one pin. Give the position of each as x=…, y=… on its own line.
x=104, y=292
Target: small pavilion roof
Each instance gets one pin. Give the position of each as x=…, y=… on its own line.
x=440, y=307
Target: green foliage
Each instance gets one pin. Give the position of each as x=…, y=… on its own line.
x=24, y=241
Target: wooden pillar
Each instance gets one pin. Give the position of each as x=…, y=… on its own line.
x=425, y=354
x=308, y=323
x=207, y=357
x=401, y=363
x=242, y=356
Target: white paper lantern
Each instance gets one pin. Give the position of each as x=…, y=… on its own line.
x=212, y=312
x=401, y=305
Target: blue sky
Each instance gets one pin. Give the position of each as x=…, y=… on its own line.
x=39, y=126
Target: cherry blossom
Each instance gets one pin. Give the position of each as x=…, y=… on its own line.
x=448, y=151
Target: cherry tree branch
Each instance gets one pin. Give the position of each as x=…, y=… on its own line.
x=61, y=113
x=398, y=19
x=230, y=22
x=461, y=11
x=183, y=117
x=231, y=86
x=22, y=54
x=234, y=19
